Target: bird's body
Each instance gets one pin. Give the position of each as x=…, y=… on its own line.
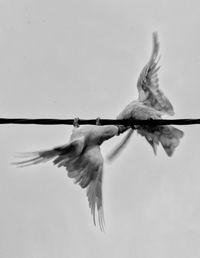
x=151, y=104
x=138, y=110
x=82, y=159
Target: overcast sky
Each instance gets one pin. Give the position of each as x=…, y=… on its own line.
x=63, y=59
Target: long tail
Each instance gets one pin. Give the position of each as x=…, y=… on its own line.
x=61, y=152
x=168, y=136
x=121, y=146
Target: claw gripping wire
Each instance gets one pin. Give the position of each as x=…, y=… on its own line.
x=98, y=121
x=76, y=122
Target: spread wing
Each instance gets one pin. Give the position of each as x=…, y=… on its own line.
x=87, y=171
x=148, y=83
x=64, y=152
x=85, y=165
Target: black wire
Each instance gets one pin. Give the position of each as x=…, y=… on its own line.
x=127, y=122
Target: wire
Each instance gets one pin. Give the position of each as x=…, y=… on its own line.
x=127, y=122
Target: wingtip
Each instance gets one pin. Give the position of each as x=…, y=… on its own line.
x=155, y=35
x=155, y=39
x=155, y=47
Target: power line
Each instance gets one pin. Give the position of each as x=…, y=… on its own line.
x=130, y=122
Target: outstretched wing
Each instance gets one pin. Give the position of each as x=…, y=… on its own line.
x=87, y=171
x=148, y=86
x=84, y=165
x=63, y=153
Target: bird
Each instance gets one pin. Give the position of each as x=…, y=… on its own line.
x=82, y=159
x=151, y=104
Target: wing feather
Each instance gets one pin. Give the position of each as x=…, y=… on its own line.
x=87, y=171
x=57, y=154
x=148, y=83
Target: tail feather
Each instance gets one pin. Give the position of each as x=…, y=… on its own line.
x=153, y=140
x=168, y=136
x=170, y=139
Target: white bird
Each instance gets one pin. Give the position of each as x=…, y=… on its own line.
x=82, y=159
x=151, y=104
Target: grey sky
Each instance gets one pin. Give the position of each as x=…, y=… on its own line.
x=63, y=59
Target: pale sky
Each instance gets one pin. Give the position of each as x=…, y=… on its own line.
x=63, y=59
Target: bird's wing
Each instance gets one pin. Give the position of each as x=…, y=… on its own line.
x=148, y=86
x=94, y=194
x=64, y=152
x=87, y=171
x=85, y=166
x=120, y=146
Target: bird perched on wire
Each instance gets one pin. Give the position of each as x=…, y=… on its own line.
x=151, y=104
x=82, y=159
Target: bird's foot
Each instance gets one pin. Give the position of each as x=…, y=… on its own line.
x=98, y=121
x=75, y=123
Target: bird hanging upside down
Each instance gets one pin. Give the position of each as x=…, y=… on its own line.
x=151, y=104
x=82, y=159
